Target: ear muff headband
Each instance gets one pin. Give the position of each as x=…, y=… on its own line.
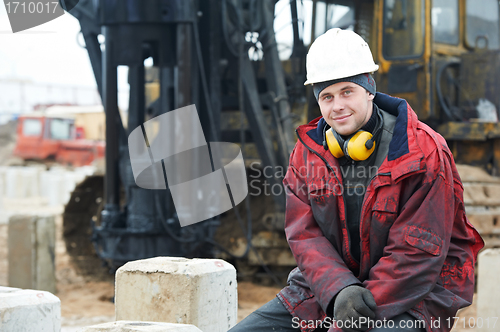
x=358, y=147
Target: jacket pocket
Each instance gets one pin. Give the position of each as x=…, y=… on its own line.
x=320, y=196
x=383, y=215
x=423, y=239
x=388, y=204
x=384, y=211
x=324, y=206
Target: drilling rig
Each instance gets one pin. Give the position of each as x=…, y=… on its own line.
x=442, y=56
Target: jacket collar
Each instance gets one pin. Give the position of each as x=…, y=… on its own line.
x=404, y=154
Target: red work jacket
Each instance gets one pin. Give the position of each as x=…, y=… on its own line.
x=418, y=249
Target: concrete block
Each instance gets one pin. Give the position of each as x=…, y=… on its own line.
x=14, y=186
x=21, y=182
x=3, y=171
x=2, y=190
x=130, y=326
x=85, y=170
x=44, y=184
x=31, y=257
x=29, y=310
x=70, y=181
x=201, y=292
x=30, y=181
x=488, y=289
x=4, y=217
x=53, y=186
x=4, y=289
x=57, y=188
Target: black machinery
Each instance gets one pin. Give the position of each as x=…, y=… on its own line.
x=200, y=53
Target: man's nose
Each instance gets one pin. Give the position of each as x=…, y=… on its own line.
x=337, y=105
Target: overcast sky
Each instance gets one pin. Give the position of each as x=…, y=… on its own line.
x=47, y=53
x=50, y=54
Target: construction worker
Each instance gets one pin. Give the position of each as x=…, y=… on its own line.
x=374, y=216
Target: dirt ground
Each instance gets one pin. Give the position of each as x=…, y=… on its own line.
x=86, y=301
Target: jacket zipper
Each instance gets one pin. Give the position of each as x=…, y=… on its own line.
x=363, y=205
x=363, y=208
x=343, y=200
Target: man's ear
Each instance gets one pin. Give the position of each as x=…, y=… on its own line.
x=370, y=96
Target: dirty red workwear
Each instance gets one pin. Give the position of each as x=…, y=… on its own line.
x=418, y=249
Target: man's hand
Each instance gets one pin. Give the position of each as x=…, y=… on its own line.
x=352, y=303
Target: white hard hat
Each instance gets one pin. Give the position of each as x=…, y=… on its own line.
x=338, y=54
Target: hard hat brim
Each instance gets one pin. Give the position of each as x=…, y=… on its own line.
x=370, y=69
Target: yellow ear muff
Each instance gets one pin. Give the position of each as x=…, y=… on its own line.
x=356, y=146
x=333, y=144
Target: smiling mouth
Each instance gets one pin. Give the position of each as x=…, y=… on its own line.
x=341, y=117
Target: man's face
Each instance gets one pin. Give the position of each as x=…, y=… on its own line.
x=346, y=107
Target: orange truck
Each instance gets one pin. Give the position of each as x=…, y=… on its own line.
x=56, y=137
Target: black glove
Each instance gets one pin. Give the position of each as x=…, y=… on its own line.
x=352, y=303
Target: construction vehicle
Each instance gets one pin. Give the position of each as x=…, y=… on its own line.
x=56, y=136
x=222, y=55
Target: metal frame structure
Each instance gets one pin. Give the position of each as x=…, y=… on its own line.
x=198, y=48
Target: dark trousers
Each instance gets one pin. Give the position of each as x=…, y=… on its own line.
x=273, y=316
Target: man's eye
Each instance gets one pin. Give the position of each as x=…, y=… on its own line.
x=327, y=97
x=347, y=92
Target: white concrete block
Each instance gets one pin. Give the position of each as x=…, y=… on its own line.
x=85, y=170
x=70, y=180
x=2, y=190
x=130, y=326
x=44, y=183
x=53, y=187
x=34, y=182
x=58, y=190
x=488, y=289
x=29, y=310
x=79, y=175
x=31, y=255
x=3, y=171
x=4, y=289
x=21, y=182
x=13, y=186
x=30, y=181
x=4, y=217
x=201, y=292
